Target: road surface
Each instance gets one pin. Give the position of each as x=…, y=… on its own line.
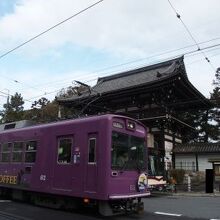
x=156, y=208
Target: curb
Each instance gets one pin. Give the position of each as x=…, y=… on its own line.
x=186, y=194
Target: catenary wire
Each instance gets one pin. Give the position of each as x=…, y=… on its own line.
x=47, y=93
x=51, y=28
x=142, y=59
x=9, y=95
x=44, y=32
x=69, y=19
x=196, y=44
x=186, y=53
x=190, y=53
x=191, y=35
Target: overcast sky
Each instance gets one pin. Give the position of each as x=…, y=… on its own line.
x=114, y=32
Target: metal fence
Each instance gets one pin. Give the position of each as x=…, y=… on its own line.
x=189, y=166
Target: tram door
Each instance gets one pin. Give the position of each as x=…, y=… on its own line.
x=62, y=180
x=91, y=164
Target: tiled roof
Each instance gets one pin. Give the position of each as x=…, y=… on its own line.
x=148, y=75
x=138, y=77
x=197, y=148
x=143, y=81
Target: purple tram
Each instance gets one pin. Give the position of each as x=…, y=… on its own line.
x=99, y=160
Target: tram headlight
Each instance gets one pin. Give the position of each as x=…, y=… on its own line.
x=131, y=125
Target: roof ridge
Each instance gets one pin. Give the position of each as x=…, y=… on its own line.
x=141, y=69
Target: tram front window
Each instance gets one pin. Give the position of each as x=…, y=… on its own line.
x=128, y=152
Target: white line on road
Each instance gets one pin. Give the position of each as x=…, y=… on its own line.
x=214, y=219
x=5, y=201
x=170, y=214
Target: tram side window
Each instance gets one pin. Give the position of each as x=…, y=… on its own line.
x=17, y=152
x=92, y=150
x=5, y=152
x=64, y=150
x=30, y=151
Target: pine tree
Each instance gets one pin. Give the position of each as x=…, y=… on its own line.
x=215, y=98
x=42, y=110
x=13, y=109
x=206, y=122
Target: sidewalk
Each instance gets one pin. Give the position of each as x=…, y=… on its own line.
x=183, y=194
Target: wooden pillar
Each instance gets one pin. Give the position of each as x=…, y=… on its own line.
x=197, y=164
x=173, y=160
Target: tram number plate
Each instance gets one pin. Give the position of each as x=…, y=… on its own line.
x=132, y=188
x=43, y=177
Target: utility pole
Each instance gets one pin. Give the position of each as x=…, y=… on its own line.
x=7, y=98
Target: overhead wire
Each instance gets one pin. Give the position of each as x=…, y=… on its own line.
x=4, y=96
x=19, y=82
x=146, y=58
x=51, y=28
x=40, y=34
x=9, y=95
x=130, y=62
x=199, y=60
x=55, y=91
x=44, y=32
x=48, y=93
x=191, y=35
x=189, y=53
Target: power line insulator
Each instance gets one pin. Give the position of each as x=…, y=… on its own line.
x=207, y=59
x=178, y=15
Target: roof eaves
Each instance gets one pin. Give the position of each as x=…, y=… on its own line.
x=197, y=148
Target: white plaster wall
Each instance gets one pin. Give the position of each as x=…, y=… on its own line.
x=202, y=160
x=186, y=160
